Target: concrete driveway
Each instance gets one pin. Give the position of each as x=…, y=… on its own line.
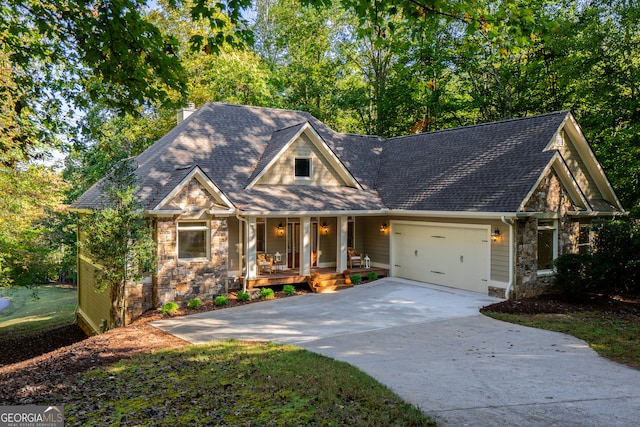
x=430, y=345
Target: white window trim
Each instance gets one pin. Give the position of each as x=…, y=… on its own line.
x=303, y=178
x=181, y=226
x=549, y=225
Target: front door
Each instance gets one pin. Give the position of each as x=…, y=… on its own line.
x=293, y=245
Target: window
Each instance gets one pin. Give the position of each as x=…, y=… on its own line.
x=303, y=168
x=351, y=239
x=261, y=245
x=584, y=239
x=547, y=246
x=193, y=240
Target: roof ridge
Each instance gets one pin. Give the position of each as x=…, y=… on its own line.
x=514, y=119
x=254, y=107
x=289, y=110
x=292, y=126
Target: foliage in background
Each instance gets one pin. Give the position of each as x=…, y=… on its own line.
x=612, y=267
x=30, y=200
x=194, y=304
x=119, y=239
x=385, y=67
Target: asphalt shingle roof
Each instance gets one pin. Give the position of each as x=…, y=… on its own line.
x=483, y=168
x=489, y=167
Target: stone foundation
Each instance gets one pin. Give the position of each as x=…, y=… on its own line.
x=139, y=298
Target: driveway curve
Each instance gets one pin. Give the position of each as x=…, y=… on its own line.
x=430, y=345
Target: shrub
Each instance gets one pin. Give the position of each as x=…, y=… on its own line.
x=572, y=273
x=356, y=279
x=221, y=300
x=613, y=266
x=616, y=256
x=289, y=289
x=194, y=304
x=169, y=308
x=267, y=293
x=243, y=296
x=372, y=275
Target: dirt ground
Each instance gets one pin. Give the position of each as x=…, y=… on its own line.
x=29, y=378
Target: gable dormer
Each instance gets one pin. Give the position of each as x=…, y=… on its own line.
x=194, y=197
x=299, y=156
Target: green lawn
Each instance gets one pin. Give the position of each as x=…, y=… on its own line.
x=222, y=383
x=236, y=383
x=38, y=309
x=615, y=336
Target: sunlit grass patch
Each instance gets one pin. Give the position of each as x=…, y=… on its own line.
x=34, y=310
x=237, y=383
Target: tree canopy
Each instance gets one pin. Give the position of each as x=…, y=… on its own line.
x=102, y=80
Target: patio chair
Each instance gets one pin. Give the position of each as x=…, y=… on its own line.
x=265, y=263
x=353, y=258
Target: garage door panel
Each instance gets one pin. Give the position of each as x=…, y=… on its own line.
x=449, y=256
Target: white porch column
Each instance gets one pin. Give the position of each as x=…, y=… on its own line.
x=305, y=246
x=251, y=251
x=341, y=249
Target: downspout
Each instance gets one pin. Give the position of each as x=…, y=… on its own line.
x=244, y=251
x=511, y=250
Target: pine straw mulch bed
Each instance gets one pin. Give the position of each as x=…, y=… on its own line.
x=553, y=304
x=30, y=377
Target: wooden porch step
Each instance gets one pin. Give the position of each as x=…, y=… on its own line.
x=331, y=288
x=329, y=285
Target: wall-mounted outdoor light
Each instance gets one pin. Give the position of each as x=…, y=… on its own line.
x=324, y=228
x=383, y=228
x=496, y=235
x=280, y=230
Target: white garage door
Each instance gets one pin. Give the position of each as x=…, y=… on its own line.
x=456, y=256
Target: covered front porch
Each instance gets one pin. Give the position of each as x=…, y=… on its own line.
x=289, y=250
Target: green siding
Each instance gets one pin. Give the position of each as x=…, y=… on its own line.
x=93, y=306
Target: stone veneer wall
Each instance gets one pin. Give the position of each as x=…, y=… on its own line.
x=549, y=198
x=180, y=281
x=139, y=298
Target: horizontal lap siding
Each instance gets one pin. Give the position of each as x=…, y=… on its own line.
x=94, y=306
x=282, y=171
x=376, y=243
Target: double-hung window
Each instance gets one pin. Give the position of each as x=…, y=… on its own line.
x=547, y=244
x=193, y=240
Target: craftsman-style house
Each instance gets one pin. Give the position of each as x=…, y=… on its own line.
x=236, y=192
